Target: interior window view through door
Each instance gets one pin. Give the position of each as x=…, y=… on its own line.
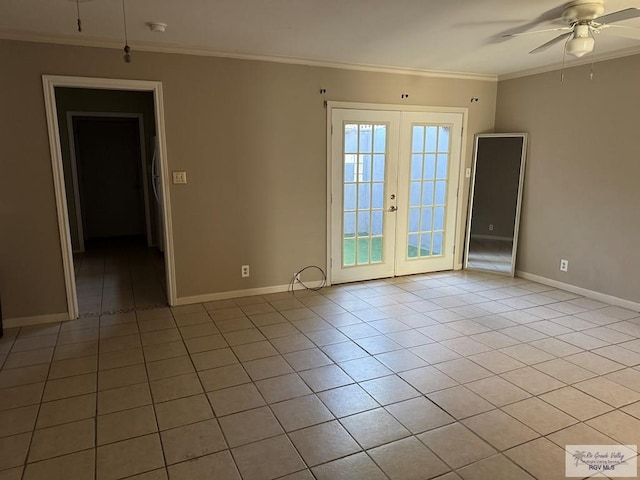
x=393, y=192
x=115, y=218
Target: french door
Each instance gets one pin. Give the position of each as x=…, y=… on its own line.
x=394, y=178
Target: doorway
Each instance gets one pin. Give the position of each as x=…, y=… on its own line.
x=117, y=268
x=112, y=170
x=394, y=185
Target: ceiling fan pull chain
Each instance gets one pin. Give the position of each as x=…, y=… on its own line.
x=127, y=49
x=78, y=10
x=564, y=58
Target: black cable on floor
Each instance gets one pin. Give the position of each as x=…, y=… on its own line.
x=296, y=278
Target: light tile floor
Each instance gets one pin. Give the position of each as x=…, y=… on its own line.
x=118, y=275
x=451, y=376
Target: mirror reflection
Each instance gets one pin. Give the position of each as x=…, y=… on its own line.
x=494, y=213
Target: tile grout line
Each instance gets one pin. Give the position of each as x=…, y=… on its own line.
x=153, y=404
x=532, y=365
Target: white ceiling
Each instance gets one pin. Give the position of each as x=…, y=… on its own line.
x=462, y=36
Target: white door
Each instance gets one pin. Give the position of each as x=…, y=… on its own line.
x=364, y=175
x=430, y=157
x=393, y=192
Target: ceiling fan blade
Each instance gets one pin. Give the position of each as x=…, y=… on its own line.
x=624, y=31
x=553, y=15
x=619, y=16
x=520, y=34
x=551, y=42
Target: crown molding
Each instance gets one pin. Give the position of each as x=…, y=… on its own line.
x=207, y=52
x=586, y=60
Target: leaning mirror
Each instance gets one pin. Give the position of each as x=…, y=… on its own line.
x=494, y=209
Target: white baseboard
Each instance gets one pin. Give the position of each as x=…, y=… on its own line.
x=249, y=292
x=602, y=297
x=35, y=320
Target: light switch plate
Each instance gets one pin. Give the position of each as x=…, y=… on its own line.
x=179, y=177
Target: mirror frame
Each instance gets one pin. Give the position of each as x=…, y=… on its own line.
x=516, y=229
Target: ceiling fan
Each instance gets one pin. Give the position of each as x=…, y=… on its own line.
x=585, y=19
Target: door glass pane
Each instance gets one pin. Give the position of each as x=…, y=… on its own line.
x=425, y=244
x=416, y=167
x=443, y=161
x=365, y=168
x=366, y=138
x=427, y=194
x=413, y=241
x=441, y=192
x=414, y=220
x=380, y=139
x=376, y=249
x=414, y=194
x=378, y=196
x=443, y=139
x=378, y=168
x=437, y=243
x=364, y=196
x=376, y=223
x=363, y=250
x=349, y=252
x=426, y=219
x=350, y=138
x=363, y=202
x=364, y=227
x=349, y=225
x=432, y=139
x=425, y=235
x=350, y=196
x=438, y=219
x=350, y=168
x=417, y=140
x=429, y=166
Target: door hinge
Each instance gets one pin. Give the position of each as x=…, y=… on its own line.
x=332, y=129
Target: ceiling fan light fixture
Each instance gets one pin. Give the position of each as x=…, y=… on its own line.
x=579, y=46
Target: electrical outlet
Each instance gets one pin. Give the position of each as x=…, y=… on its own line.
x=467, y=173
x=491, y=227
x=245, y=271
x=564, y=265
x=179, y=177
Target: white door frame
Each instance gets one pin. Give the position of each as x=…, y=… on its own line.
x=49, y=83
x=74, y=168
x=459, y=237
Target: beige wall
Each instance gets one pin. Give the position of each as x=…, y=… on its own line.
x=581, y=194
x=251, y=136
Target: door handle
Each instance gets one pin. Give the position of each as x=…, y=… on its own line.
x=393, y=208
